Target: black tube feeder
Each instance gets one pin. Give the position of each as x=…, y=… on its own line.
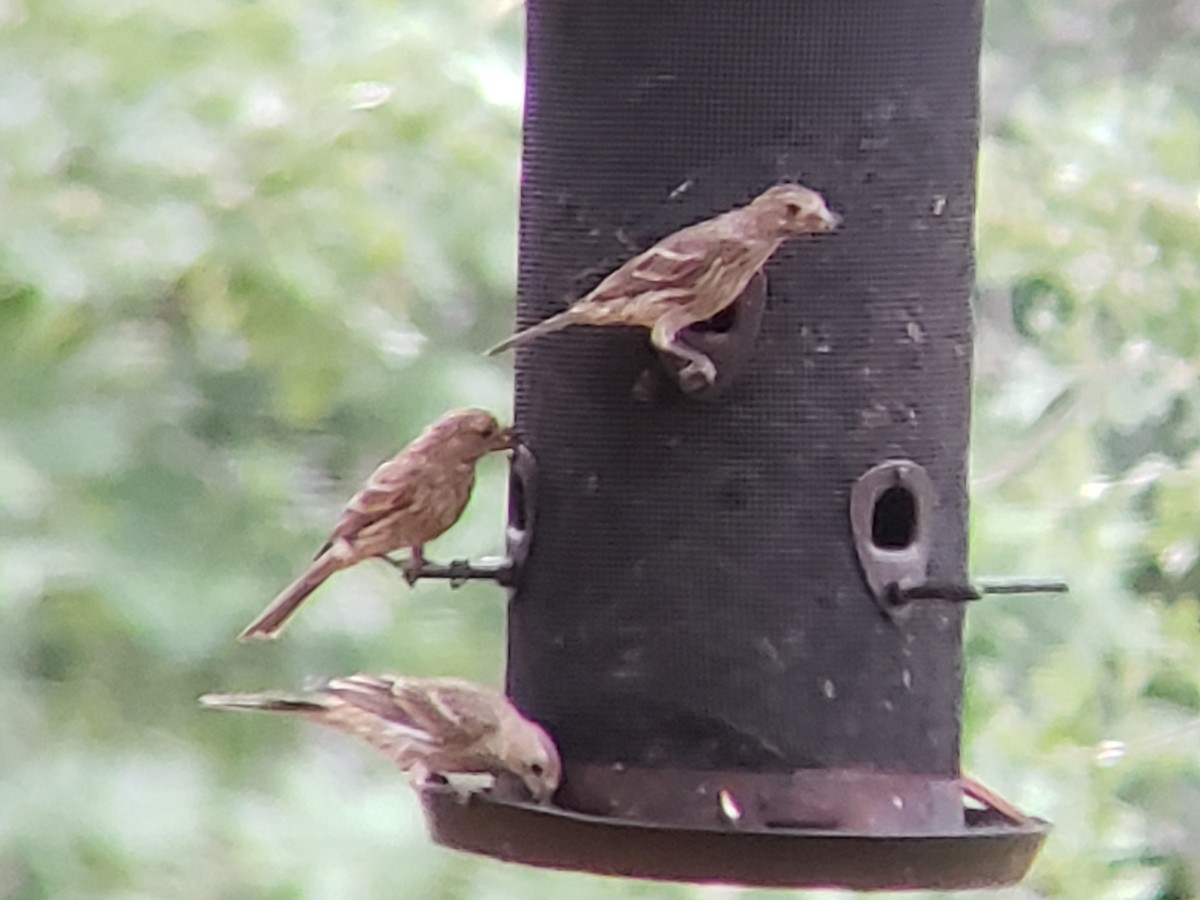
x=699, y=575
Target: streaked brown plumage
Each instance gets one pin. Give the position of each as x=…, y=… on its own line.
x=407, y=502
x=693, y=274
x=426, y=726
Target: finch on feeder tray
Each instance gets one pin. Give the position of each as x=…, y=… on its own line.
x=429, y=727
x=407, y=502
x=695, y=273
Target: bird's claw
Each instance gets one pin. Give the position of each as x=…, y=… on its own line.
x=410, y=569
x=696, y=376
x=425, y=780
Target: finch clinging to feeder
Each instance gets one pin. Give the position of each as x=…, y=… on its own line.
x=429, y=727
x=407, y=502
x=695, y=273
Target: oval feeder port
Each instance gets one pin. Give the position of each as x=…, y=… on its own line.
x=891, y=515
x=727, y=339
x=522, y=506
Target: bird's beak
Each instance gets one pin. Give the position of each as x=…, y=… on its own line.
x=830, y=219
x=539, y=790
x=507, y=439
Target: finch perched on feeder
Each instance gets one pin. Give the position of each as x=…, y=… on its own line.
x=429, y=727
x=407, y=502
x=693, y=274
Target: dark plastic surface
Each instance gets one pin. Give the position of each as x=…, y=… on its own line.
x=982, y=855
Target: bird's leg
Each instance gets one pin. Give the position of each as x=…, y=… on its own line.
x=411, y=568
x=421, y=776
x=699, y=371
x=415, y=563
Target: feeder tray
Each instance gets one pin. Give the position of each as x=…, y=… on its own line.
x=988, y=851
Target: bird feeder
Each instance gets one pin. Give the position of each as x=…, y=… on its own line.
x=730, y=609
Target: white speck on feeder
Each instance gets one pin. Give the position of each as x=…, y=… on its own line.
x=618, y=767
x=683, y=186
x=731, y=810
x=906, y=678
x=769, y=650
x=829, y=689
x=939, y=205
x=897, y=801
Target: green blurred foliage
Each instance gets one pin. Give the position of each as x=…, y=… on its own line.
x=246, y=248
x=1086, y=709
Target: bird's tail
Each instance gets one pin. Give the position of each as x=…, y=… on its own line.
x=266, y=702
x=271, y=619
x=555, y=323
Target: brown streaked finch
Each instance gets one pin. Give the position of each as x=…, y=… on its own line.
x=429, y=727
x=695, y=273
x=407, y=502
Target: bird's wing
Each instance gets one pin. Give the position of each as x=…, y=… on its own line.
x=457, y=712
x=373, y=695
x=392, y=489
x=676, y=266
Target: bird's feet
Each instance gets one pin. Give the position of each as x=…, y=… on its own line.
x=697, y=375
x=412, y=568
x=422, y=779
x=692, y=369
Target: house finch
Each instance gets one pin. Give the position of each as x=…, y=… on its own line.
x=693, y=274
x=407, y=502
x=429, y=727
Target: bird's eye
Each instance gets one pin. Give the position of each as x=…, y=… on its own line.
x=794, y=210
x=537, y=769
x=489, y=430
